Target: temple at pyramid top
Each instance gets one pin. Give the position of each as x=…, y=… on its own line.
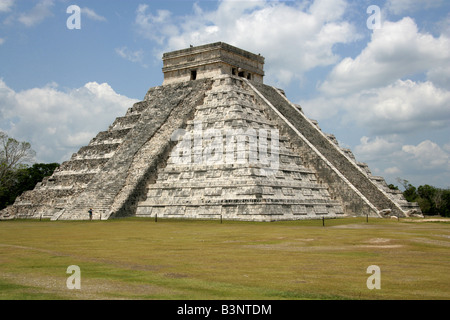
x=211, y=60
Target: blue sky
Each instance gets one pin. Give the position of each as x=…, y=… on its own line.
x=383, y=92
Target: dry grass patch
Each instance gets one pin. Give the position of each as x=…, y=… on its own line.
x=170, y=259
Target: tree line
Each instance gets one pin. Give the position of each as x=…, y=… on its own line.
x=431, y=200
x=16, y=174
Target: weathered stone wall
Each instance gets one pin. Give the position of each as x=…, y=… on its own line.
x=230, y=189
x=154, y=153
x=116, y=188
x=54, y=193
x=211, y=60
x=339, y=189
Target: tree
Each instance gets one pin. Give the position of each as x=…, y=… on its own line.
x=392, y=187
x=410, y=192
x=24, y=179
x=427, y=195
x=439, y=199
x=431, y=200
x=445, y=211
x=15, y=175
x=13, y=155
x=28, y=177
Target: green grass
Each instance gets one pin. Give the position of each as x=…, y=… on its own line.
x=180, y=259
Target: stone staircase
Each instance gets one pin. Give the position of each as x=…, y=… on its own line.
x=228, y=188
x=114, y=190
x=350, y=181
x=53, y=194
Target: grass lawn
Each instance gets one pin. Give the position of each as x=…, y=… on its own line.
x=179, y=259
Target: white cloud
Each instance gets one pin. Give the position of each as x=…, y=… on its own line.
x=91, y=14
x=56, y=122
x=153, y=27
x=397, y=50
x=376, y=148
x=428, y=155
x=37, y=14
x=406, y=106
x=402, y=107
x=424, y=163
x=258, y=26
x=2, y=41
x=6, y=5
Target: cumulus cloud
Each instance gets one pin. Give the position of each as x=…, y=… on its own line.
x=58, y=122
x=154, y=27
x=368, y=90
x=37, y=14
x=428, y=155
x=392, y=158
x=402, y=107
x=397, y=50
x=310, y=29
x=376, y=148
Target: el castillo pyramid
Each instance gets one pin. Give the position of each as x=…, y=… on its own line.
x=212, y=142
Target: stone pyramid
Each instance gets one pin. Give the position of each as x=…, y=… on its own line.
x=212, y=142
